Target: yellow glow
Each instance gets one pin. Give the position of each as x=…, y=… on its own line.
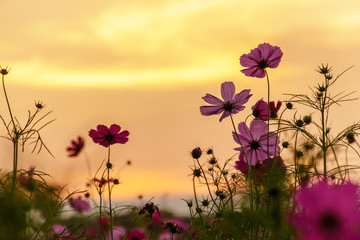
x=175, y=52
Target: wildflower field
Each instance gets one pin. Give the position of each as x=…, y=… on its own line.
x=289, y=176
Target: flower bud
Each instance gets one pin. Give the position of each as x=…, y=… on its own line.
x=196, y=153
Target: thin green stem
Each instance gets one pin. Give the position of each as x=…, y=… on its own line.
x=268, y=113
x=196, y=201
x=207, y=183
x=324, y=127
x=250, y=170
x=109, y=190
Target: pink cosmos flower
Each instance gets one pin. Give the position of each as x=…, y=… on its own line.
x=80, y=205
x=107, y=136
x=260, y=58
x=262, y=169
x=254, y=141
x=260, y=110
x=327, y=212
x=274, y=110
x=232, y=103
x=136, y=234
x=76, y=147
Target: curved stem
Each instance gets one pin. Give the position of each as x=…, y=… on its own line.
x=8, y=104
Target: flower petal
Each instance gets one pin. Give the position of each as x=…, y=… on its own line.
x=258, y=129
x=254, y=72
x=210, y=110
x=212, y=99
x=114, y=129
x=102, y=129
x=227, y=91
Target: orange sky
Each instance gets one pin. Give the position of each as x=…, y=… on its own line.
x=146, y=64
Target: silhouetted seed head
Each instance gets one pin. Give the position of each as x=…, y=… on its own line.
x=4, y=71
x=328, y=76
x=324, y=69
x=212, y=161
x=285, y=144
x=189, y=204
x=87, y=195
x=299, y=154
x=109, y=165
x=197, y=172
x=307, y=119
x=220, y=194
x=39, y=105
x=116, y=181
x=299, y=123
x=289, y=105
x=350, y=136
x=209, y=151
x=205, y=202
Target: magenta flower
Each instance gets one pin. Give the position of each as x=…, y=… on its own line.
x=108, y=136
x=136, y=234
x=232, y=103
x=260, y=110
x=76, y=147
x=274, y=110
x=254, y=142
x=262, y=169
x=80, y=205
x=260, y=58
x=328, y=212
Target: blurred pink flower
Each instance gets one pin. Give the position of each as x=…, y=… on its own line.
x=107, y=136
x=328, y=212
x=61, y=232
x=136, y=234
x=260, y=58
x=156, y=218
x=91, y=233
x=232, y=103
x=254, y=142
x=260, y=110
x=118, y=233
x=76, y=147
x=26, y=178
x=104, y=223
x=80, y=205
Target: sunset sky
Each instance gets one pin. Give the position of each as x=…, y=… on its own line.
x=145, y=64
